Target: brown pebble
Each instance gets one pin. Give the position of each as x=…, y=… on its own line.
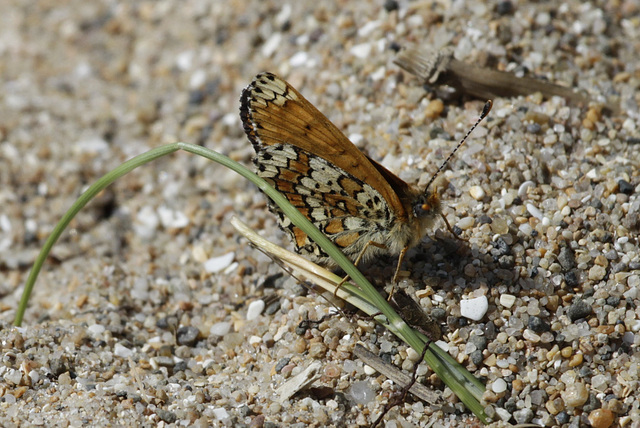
x=317, y=350
x=567, y=351
x=434, y=109
x=517, y=385
x=576, y=360
x=575, y=395
x=81, y=300
x=601, y=418
x=300, y=346
x=554, y=406
x=332, y=371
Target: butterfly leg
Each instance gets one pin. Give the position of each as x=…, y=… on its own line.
x=449, y=227
x=360, y=255
x=394, y=281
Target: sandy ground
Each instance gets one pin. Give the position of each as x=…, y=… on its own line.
x=130, y=323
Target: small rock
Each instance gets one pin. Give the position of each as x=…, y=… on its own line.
x=172, y=219
x=523, y=416
x=220, y=328
x=474, y=309
x=566, y=258
x=601, y=418
x=507, y=300
x=575, y=395
x=317, y=350
x=255, y=309
x=477, y=192
x=524, y=188
x=390, y=5
x=166, y=416
x=625, y=187
x=480, y=342
x=217, y=264
x=538, y=325
x=534, y=211
x=122, y=351
x=187, y=335
x=499, y=386
x=579, y=309
x=597, y=273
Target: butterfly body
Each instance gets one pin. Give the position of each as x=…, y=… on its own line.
x=352, y=199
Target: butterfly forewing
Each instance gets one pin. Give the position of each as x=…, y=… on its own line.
x=274, y=112
x=349, y=197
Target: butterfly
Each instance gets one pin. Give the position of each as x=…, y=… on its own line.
x=361, y=206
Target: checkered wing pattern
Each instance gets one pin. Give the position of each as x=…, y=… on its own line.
x=351, y=198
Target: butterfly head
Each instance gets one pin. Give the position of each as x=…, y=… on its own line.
x=427, y=205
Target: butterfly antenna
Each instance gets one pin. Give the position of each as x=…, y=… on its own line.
x=485, y=111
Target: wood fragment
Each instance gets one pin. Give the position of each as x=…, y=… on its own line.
x=299, y=381
x=440, y=68
x=396, y=375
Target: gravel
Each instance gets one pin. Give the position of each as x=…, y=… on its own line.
x=145, y=312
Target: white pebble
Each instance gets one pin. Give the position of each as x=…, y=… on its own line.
x=499, y=386
x=525, y=228
x=255, y=309
x=220, y=328
x=216, y=264
x=146, y=222
x=254, y=340
x=503, y=414
x=524, y=188
x=368, y=370
x=271, y=45
x=443, y=345
x=534, y=211
x=220, y=413
x=361, y=51
x=298, y=59
x=474, y=309
x=122, y=351
x=172, y=219
x=5, y=224
x=96, y=329
x=13, y=376
x=198, y=78
x=531, y=336
x=34, y=375
x=507, y=300
x=477, y=192
x=466, y=223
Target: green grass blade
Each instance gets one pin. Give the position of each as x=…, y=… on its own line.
x=393, y=321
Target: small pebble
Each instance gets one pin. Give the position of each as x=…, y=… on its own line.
x=575, y=394
x=524, y=188
x=434, y=109
x=255, y=309
x=534, y=211
x=220, y=329
x=601, y=418
x=523, y=416
x=474, y=309
x=217, y=264
x=122, y=351
x=597, y=273
x=187, y=335
x=507, y=300
x=579, y=309
x=172, y=219
x=477, y=192
x=466, y=223
x=499, y=386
